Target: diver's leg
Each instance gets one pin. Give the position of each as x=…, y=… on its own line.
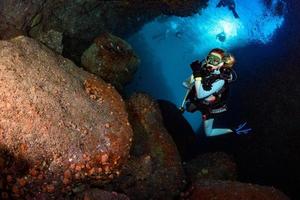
x=235, y=13
x=233, y=10
x=210, y=131
x=221, y=3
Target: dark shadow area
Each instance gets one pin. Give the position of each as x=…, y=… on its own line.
x=11, y=168
x=73, y=48
x=180, y=130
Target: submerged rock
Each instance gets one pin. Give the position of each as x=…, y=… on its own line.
x=112, y=59
x=85, y=19
x=154, y=170
x=228, y=190
x=97, y=194
x=59, y=125
x=217, y=166
x=180, y=129
x=52, y=39
x=16, y=16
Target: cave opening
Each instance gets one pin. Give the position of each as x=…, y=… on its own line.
x=168, y=45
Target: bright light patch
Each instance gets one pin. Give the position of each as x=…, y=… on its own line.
x=257, y=23
x=174, y=25
x=230, y=29
x=168, y=45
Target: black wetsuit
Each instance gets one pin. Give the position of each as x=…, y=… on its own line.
x=231, y=6
x=208, y=108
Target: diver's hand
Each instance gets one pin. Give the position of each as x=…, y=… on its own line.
x=199, y=70
x=208, y=81
x=181, y=109
x=196, y=65
x=241, y=129
x=205, y=71
x=207, y=86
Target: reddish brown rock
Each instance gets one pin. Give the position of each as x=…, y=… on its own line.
x=97, y=194
x=227, y=190
x=154, y=170
x=53, y=120
x=112, y=59
x=218, y=166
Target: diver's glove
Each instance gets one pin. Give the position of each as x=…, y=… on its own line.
x=196, y=65
x=207, y=84
x=208, y=81
x=199, y=70
x=241, y=129
x=204, y=71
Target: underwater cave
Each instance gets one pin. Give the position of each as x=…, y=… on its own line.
x=90, y=97
x=168, y=45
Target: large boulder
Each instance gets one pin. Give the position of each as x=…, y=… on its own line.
x=228, y=190
x=59, y=125
x=112, y=59
x=154, y=170
x=180, y=129
x=16, y=16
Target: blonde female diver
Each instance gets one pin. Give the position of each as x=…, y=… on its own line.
x=208, y=89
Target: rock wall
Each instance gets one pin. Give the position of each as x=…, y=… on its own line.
x=82, y=21
x=154, y=170
x=59, y=125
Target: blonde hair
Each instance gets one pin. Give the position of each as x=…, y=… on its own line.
x=229, y=60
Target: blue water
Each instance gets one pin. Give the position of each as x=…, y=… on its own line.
x=167, y=45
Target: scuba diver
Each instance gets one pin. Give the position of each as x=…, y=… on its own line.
x=208, y=90
x=221, y=36
x=231, y=6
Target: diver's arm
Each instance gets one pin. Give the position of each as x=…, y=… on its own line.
x=221, y=3
x=201, y=93
x=200, y=71
x=235, y=14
